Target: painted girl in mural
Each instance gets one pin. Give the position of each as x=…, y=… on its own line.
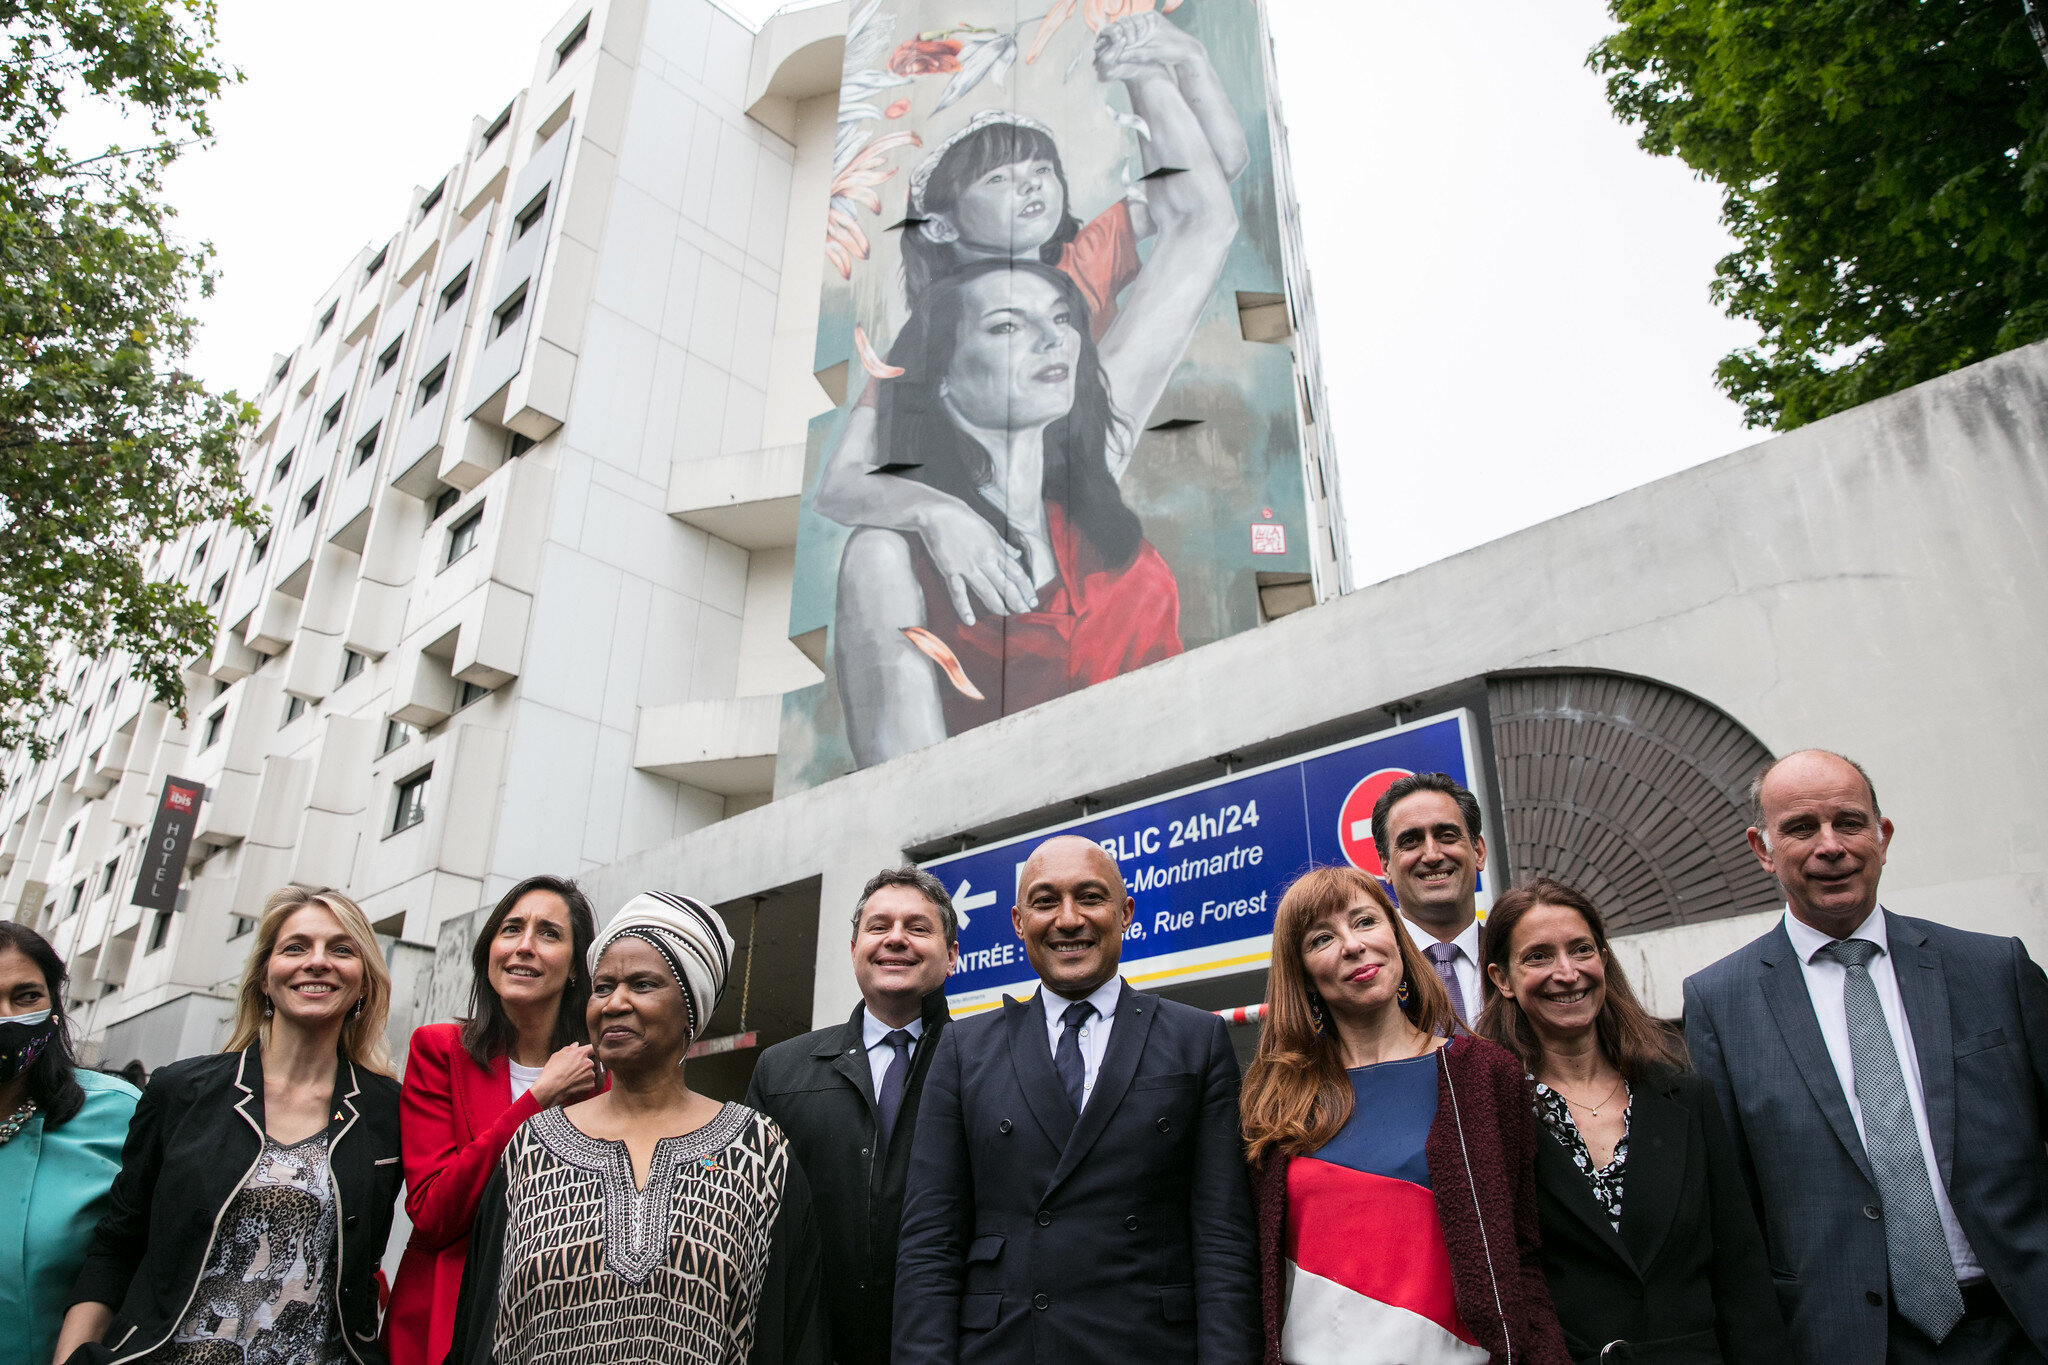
x=986, y=475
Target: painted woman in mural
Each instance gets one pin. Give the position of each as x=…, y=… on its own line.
x=994, y=564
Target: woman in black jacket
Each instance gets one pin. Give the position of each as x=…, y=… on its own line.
x=1650, y=1245
x=256, y=1185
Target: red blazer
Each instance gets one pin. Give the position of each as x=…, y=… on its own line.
x=1494, y=1105
x=454, y=1119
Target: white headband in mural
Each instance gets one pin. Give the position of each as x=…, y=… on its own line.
x=923, y=174
x=690, y=937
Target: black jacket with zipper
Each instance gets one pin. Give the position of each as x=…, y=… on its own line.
x=819, y=1089
x=194, y=1139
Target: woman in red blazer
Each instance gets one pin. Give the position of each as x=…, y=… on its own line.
x=469, y=1085
x=1392, y=1154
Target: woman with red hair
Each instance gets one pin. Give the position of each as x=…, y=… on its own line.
x=1391, y=1154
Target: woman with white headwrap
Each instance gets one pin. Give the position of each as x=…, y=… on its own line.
x=647, y=1223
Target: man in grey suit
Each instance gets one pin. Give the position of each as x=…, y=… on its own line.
x=1884, y=1079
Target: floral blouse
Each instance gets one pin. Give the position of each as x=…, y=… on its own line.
x=1556, y=1115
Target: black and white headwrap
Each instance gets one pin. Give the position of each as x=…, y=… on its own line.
x=690, y=937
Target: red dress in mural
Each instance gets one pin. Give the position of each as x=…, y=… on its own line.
x=1091, y=623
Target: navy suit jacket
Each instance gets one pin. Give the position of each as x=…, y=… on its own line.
x=1978, y=1009
x=1122, y=1236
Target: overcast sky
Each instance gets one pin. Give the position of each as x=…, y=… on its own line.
x=1514, y=304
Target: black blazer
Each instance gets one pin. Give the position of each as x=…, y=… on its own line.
x=1685, y=1281
x=1125, y=1236
x=1978, y=1009
x=194, y=1139
x=819, y=1090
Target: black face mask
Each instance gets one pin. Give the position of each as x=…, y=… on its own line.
x=22, y=1039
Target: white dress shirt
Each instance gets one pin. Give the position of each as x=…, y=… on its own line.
x=1826, y=983
x=1094, y=1033
x=880, y=1054
x=1465, y=966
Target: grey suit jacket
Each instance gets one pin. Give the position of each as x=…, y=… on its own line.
x=1978, y=1009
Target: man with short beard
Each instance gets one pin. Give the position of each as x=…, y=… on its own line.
x=1077, y=1191
x=847, y=1098
x=1426, y=828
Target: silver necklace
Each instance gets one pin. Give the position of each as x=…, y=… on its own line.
x=1592, y=1109
x=16, y=1121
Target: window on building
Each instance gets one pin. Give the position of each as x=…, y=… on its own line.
x=326, y=320
x=217, y=591
x=396, y=733
x=284, y=368
x=239, y=926
x=498, y=125
x=77, y=899
x=519, y=445
x=85, y=720
x=70, y=837
x=462, y=535
x=411, y=805
x=159, y=932
x=452, y=292
x=199, y=554
x=310, y=503
x=376, y=264
x=260, y=549
x=331, y=419
x=367, y=447
x=433, y=198
x=294, y=707
x=443, y=502
x=389, y=357
x=283, y=467
x=530, y=216
x=220, y=687
x=211, y=735
x=470, y=692
x=351, y=664
x=508, y=313
x=49, y=914
x=108, y=877
x=573, y=41
x=430, y=387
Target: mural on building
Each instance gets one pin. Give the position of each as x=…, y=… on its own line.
x=1058, y=458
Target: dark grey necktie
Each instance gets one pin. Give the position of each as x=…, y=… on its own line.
x=1923, y=1273
x=1066, y=1058
x=1444, y=957
x=889, y=1103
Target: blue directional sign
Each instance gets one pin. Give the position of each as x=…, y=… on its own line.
x=1207, y=865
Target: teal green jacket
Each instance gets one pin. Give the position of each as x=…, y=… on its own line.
x=53, y=1189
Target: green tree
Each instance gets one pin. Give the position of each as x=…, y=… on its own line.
x=107, y=448
x=1882, y=169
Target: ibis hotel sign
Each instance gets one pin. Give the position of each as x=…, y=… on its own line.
x=1206, y=865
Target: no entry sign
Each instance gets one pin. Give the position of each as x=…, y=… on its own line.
x=1206, y=865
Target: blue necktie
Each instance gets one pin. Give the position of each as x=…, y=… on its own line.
x=890, y=1102
x=1066, y=1059
x=1923, y=1273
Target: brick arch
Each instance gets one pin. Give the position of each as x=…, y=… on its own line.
x=1631, y=791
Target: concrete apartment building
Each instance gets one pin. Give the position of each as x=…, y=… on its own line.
x=523, y=602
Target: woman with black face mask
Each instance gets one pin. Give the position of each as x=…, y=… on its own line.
x=61, y=1130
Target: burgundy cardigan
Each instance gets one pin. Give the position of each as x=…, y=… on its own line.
x=1494, y=1102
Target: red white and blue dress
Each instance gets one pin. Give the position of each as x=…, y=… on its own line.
x=1368, y=1277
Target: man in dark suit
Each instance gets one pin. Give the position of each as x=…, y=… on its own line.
x=1883, y=1078
x=1077, y=1189
x=847, y=1097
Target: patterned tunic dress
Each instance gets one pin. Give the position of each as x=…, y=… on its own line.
x=595, y=1271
